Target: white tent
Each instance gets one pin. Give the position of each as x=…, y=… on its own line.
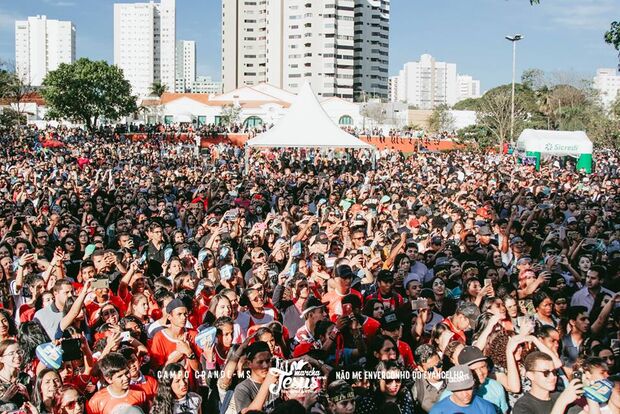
x=540, y=143
x=306, y=125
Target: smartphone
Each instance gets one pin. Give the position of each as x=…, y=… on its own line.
x=125, y=336
x=419, y=304
x=206, y=338
x=36, y=256
x=296, y=250
x=347, y=309
x=71, y=349
x=101, y=284
x=261, y=226
x=488, y=282
x=329, y=262
x=578, y=375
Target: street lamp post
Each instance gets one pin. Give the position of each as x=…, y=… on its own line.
x=514, y=39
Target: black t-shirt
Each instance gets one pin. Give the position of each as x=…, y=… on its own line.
x=528, y=404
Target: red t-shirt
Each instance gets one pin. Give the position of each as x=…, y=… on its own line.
x=147, y=384
x=104, y=403
x=394, y=301
x=334, y=300
x=93, y=308
x=458, y=334
x=405, y=351
x=163, y=345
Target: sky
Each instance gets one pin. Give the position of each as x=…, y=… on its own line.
x=559, y=35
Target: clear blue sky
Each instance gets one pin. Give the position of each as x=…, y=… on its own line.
x=560, y=35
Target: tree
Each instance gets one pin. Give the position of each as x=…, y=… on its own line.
x=495, y=113
x=230, y=115
x=13, y=91
x=86, y=91
x=480, y=136
x=441, y=119
x=612, y=36
x=469, y=104
x=374, y=111
x=533, y=78
x=158, y=89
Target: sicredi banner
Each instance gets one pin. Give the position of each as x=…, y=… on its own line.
x=561, y=143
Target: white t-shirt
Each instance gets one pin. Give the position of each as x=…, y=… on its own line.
x=190, y=404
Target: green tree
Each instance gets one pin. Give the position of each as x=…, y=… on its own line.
x=230, y=115
x=441, y=119
x=469, y=104
x=86, y=91
x=495, y=113
x=13, y=91
x=158, y=89
x=478, y=136
x=612, y=36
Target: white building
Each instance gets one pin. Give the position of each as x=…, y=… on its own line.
x=607, y=83
x=468, y=87
x=185, y=65
x=340, y=50
x=41, y=45
x=428, y=83
x=145, y=43
x=204, y=84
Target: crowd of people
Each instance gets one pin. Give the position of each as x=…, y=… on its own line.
x=144, y=277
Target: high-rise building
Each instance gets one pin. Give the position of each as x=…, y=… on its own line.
x=145, y=43
x=185, y=65
x=607, y=83
x=468, y=87
x=339, y=46
x=41, y=45
x=428, y=83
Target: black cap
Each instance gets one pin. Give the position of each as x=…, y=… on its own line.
x=311, y=304
x=345, y=272
x=470, y=355
x=390, y=322
x=175, y=303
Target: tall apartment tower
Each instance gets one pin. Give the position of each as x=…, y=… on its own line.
x=145, y=43
x=185, y=65
x=607, y=83
x=339, y=46
x=41, y=45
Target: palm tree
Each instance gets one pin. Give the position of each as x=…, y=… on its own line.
x=158, y=89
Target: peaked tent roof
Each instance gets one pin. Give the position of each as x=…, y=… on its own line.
x=306, y=125
x=555, y=142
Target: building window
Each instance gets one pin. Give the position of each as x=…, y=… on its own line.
x=168, y=119
x=345, y=120
x=253, y=122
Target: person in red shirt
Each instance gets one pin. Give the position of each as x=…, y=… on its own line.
x=95, y=305
x=175, y=343
x=462, y=320
x=385, y=292
x=391, y=326
x=119, y=392
x=343, y=277
x=137, y=379
x=370, y=326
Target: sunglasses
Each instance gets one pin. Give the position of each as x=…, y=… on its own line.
x=392, y=380
x=436, y=367
x=72, y=404
x=547, y=372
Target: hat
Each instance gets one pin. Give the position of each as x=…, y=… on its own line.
x=470, y=311
x=515, y=239
x=344, y=272
x=50, y=355
x=485, y=231
x=384, y=275
x=390, y=322
x=470, y=355
x=460, y=378
x=340, y=390
x=411, y=278
x=174, y=304
x=571, y=220
x=311, y=304
x=522, y=260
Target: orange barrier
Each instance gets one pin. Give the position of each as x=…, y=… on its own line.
x=400, y=144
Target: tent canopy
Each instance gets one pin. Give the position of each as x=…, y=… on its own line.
x=306, y=125
x=561, y=143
